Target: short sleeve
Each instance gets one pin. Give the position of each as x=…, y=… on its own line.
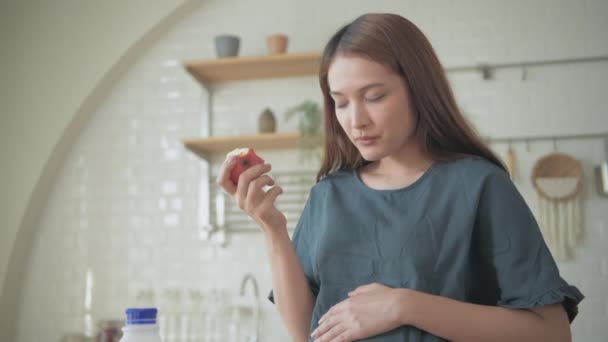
x=514, y=252
x=303, y=243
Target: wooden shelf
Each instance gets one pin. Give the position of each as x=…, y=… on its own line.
x=249, y=68
x=205, y=147
x=254, y=67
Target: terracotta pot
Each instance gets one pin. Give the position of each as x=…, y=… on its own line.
x=277, y=44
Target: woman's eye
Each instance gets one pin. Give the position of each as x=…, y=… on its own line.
x=374, y=98
x=340, y=105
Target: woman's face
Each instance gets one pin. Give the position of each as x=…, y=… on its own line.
x=372, y=105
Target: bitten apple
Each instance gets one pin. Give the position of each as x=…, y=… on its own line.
x=245, y=158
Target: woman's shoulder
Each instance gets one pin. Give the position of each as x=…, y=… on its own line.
x=472, y=168
x=473, y=174
x=342, y=178
x=335, y=178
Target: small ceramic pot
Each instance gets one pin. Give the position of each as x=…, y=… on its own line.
x=277, y=44
x=227, y=45
x=267, y=122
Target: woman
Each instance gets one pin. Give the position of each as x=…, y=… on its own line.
x=414, y=231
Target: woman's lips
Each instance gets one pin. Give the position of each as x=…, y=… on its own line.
x=366, y=141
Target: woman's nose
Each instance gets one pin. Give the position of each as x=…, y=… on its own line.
x=359, y=116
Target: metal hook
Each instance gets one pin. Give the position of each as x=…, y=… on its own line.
x=528, y=145
x=486, y=71
x=554, y=144
x=524, y=72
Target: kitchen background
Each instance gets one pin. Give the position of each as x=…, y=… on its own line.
x=101, y=199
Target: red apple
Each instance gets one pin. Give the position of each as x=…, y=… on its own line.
x=245, y=158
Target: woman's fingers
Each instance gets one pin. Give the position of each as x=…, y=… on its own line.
x=244, y=179
x=322, y=329
x=260, y=182
x=272, y=194
x=255, y=193
x=332, y=334
x=223, y=176
x=334, y=310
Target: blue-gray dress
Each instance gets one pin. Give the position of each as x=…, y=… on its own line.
x=461, y=231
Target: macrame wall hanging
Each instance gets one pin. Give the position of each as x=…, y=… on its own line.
x=558, y=180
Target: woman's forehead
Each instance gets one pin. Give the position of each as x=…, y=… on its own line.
x=348, y=72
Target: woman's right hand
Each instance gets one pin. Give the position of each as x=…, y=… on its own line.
x=250, y=195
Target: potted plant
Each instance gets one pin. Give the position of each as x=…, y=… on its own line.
x=310, y=117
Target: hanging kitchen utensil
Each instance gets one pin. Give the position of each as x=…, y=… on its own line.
x=601, y=173
x=510, y=161
x=558, y=179
x=215, y=234
x=219, y=236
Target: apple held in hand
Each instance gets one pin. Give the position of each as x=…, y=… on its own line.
x=245, y=158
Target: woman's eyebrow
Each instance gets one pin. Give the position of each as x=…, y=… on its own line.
x=362, y=89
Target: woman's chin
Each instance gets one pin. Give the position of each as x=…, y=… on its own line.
x=371, y=156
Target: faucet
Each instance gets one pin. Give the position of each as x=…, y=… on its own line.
x=249, y=278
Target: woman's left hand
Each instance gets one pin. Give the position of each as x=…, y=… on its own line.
x=369, y=310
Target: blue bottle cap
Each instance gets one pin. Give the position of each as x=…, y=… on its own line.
x=141, y=316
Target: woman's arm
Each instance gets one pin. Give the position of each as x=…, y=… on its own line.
x=375, y=308
x=460, y=321
x=292, y=294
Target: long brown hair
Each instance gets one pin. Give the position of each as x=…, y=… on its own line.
x=389, y=39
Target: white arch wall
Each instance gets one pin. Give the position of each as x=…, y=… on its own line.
x=54, y=56
x=124, y=203
x=58, y=59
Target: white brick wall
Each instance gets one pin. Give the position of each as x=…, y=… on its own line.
x=125, y=204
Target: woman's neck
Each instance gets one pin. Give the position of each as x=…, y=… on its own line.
x=394, y=172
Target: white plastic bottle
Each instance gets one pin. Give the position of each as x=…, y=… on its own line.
x=140, y=326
